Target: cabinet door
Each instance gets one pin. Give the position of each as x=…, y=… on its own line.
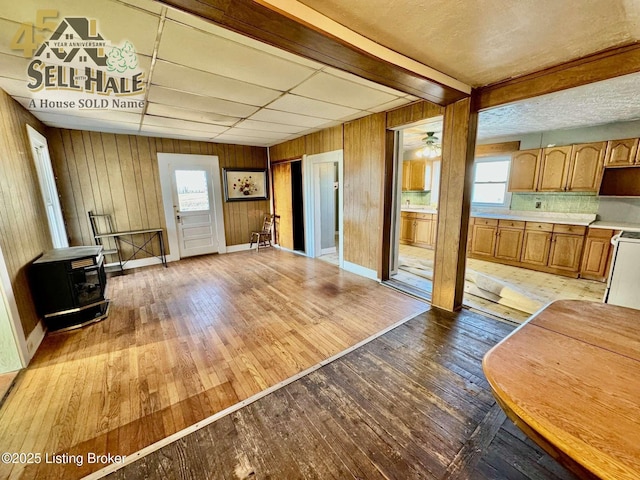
x=406, y=175
x=509, y=244
x=621, y=153
x=523, y=175
x=434, y=230
x=596, y=255
x=566, y=251
x=423, y=232
x=554, y=169
x=407, y=229
x=483, y=243
x=418, y=174
x=535, y=247
x=587, y=160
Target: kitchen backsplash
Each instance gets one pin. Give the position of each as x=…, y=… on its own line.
x=555, y=202
x=416, y=198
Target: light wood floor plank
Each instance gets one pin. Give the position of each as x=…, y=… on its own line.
x=182, y=344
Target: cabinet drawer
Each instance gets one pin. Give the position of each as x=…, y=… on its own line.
x=511, y=224
x=424, y=216
x=539, y=226
x=600, y=233
x=408, y=214
x=572, y=229
x=486, y=221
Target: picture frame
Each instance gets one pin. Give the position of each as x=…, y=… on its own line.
x=245, y=184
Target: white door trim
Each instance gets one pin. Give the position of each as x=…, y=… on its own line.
x=47, y=181
x=8, y=299
x=309, y=191
x=165, y=161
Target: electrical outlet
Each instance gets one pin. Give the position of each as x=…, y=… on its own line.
x=538, y=204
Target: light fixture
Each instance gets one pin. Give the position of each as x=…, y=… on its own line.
x=432, y=148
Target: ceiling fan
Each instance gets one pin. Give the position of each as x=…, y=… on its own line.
x=432, y=147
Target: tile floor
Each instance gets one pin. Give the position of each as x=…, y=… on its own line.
x=540, y=287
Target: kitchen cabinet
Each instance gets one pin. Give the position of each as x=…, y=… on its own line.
x=416, y=175
x=566, y=247
x=597, y=254
x=585, y=169
x=523, y=174
x=621, y=153
x=575, y=168
x=554, y=169
x=417, y=229
x=483, y=242
x=509, y=240
x=434, y=229
x=547, y=247
x=407, y=228
x=536, y=243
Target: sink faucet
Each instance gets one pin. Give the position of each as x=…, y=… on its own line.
x=407, y=202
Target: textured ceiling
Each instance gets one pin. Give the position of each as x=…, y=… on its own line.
x=610, y=101
x=484, y=42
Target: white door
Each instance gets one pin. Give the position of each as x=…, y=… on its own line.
x=40, y=151
x=194, y=210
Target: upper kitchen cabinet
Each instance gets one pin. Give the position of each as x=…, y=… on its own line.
x=586, y=167
x=573, y=168
x=554, y=169
x=621, y=153
x=416, y=175
x=525, y=166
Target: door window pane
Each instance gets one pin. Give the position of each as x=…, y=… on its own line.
x=193, y=194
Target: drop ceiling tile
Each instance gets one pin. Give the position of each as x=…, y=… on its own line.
x=195, y=81
x=286, y=118
x=239, y=140
x=302, y=105
x=81, y=123
x=13, y=67
x=117, y=22
x=329, y=88
x=192, y=20
x=390, y=105
x=195, y=49
x=176, y=98
x=148, y=5
x=242, y=132
x=270, y=127
x=15, y=88
x=367, y=83
x=193, y=115
x=150, y=120
x=170, y=132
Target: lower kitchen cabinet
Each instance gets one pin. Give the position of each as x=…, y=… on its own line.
x=423, y=229
x=509, y=240
x=536, y=247
x=483, y=241
x=566, y=251
x=597, y=254
x=407, y=228
x=418, y=229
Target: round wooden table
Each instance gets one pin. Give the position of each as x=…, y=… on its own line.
x=570, y=379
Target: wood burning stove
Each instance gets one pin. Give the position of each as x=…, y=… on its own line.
x=68, y=286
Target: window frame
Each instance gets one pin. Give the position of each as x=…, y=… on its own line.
x=507, y=194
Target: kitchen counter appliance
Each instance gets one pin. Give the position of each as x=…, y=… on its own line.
x=624, y=276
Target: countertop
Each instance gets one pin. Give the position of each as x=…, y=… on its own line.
x=615, y=225
x=525, y=216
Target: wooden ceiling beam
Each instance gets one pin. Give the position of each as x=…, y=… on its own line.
x=263, y=22
x=610, y=63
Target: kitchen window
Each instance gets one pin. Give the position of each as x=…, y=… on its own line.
x=490, y=179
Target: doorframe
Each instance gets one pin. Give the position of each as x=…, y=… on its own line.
x=13, y=316
x=309, y=194
x=47, y=182
x=165, y=162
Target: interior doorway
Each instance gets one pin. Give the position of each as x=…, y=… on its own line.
x=417, y=163
x=323, y=188
x=288, y=204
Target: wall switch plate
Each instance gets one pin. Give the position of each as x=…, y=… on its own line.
x=538, y=204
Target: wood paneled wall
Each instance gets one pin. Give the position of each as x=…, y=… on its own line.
x=118, y=174
x=326, y=140
x=413, y=112
x=364, y=148
x=24, y=232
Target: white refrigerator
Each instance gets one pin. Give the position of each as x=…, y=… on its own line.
x=623, y=285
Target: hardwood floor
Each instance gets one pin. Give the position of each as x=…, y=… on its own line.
x=181, y=344
x=411, y=404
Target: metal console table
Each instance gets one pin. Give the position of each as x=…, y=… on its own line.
x=128, y=237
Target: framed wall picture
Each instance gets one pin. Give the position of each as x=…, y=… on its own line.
x=242, y=184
